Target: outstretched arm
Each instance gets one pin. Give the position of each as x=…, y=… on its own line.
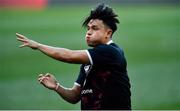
x=71, y=95
x=62, y=54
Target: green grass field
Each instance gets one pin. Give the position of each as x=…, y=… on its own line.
x=148, y=34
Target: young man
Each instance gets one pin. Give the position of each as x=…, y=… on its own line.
x=103, y=82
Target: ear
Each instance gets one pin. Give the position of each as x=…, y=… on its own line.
x=109, y=33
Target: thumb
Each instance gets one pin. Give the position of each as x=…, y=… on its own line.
x=24, y=45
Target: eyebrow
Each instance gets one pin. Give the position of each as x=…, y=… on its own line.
x=92, y=25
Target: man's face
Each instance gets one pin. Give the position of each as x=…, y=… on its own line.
x=97, y=33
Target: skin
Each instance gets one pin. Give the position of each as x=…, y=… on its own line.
x=97, y=33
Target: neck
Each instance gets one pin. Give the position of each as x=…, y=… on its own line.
x=109, y=42
x=105, y=41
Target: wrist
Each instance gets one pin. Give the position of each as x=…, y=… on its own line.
x=34, y=45
x=38, y=45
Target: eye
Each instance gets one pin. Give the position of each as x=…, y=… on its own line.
x=88, y=28
x=95, y=28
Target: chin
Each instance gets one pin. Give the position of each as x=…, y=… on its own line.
x=90, y=45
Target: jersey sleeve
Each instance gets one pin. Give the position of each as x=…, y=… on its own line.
x=102, y=54
x=81, y=78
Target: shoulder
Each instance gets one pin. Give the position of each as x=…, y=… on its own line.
x=105, y=48
x=112, y=49
x=105, y=54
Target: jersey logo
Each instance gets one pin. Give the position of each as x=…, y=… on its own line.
x=86, y=68
x=87, y=91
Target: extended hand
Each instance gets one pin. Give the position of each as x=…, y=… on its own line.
x=27, y=42
x=48, y=81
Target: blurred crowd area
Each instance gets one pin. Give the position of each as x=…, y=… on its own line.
x=41, y=4
x=112, y=1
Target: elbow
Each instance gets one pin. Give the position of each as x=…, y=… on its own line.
x=74, y=101
x=76, y=97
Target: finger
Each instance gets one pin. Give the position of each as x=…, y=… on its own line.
x=22, y=40
x=42, y=79
x=44, y=84
x=24, y=45
x=47, y=75
x=20, y=36
x=39, y=79
x=40, y=75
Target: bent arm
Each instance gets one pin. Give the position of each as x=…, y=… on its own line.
x=71, y=95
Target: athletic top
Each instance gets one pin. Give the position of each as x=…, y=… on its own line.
x=104, y=82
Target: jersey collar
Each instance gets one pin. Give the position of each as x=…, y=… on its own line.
x=109, y=42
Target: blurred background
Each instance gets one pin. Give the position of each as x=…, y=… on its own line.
x=148, y=33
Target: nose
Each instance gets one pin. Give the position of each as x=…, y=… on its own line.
x=89, y=32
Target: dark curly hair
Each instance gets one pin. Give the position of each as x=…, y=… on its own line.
x=104, y=13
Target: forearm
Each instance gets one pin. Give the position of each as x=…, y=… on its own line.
x=65, y=55
x=57, y=53
x=71, y=95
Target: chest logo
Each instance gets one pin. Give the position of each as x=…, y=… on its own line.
x=86, y=68
x=87, y=91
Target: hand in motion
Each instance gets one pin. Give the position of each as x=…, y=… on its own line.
x=48, y=81
x=27, y=42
